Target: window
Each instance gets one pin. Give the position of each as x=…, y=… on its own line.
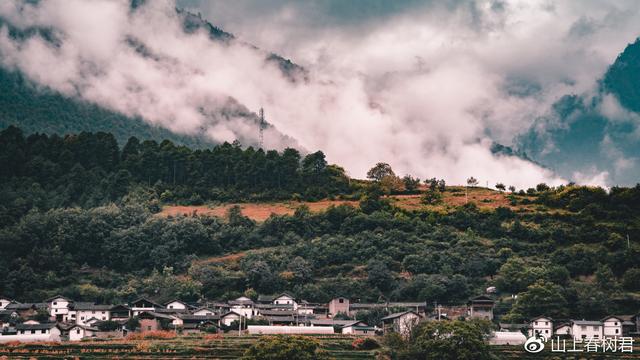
x=546, y=323
x=43, y=331
x=21, y=331
x=341, y=301
x=149, y=328
x=55, y=303
x=546, y=331
x=616, y=323
x=617, y=331
x=77, y=331
x=33, y=331
x=82, y=318
x=583, y=327
x=596, y=328
x=536, y=323
x=170, y=306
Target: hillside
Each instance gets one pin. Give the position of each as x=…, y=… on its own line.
x=453, y=197
x=90, y=216
x=39, y=110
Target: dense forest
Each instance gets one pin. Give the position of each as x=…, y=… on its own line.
x=79, y=217
x=90, y=169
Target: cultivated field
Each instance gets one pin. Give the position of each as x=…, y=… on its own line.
x=454, y=196
x=187, y=347
x=233, y=347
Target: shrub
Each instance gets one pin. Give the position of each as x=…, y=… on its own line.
x=282, y=347
x=365, y=344
x=149, y=335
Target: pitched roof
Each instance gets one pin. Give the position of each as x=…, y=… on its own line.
x=57, y=297
x=89, y=306
x=277, y=312
x=587, y=322
x=191, y=318
x=43, y=326
x=153, y=315
x=540, y=317
x=330, y=322
x=203, y=308
x=178, y=301
x=90, y=328
x=25, y=306
x=355, y=323
x=397, y=315
x=144, y=299
x=229, y=313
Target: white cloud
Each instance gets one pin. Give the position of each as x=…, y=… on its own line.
x=419, y=89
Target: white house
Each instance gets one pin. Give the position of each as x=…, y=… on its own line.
x=79, y=332
x=144, y=304
x=203, y=311
x=401, y=323
x=541, y=325
x=243, y=306
x=84, y=312
x=612, y=327
x=59, y=307
x=4, y=302
x=562, y=329
x=584, y=329
x=285, y=299
x=29, y=333
x=176, y=304
x=229, y=318
x=358, y=328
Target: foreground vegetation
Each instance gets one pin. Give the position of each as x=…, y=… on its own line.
x=423, y=345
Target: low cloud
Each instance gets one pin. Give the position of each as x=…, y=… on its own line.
x=427, y=91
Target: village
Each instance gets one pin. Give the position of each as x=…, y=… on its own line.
x=62, y=319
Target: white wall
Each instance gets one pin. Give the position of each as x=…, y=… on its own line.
x=77, y=333
x=542, y=326
x=176, y=305
x=586, y=331
x=3, y=303
x=265, y=329
x=612, y=327
x=83, y=315
x=59, y=306
x=52, y=334
x=204, y=312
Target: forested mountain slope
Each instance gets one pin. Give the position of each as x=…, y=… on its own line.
x=79, y=218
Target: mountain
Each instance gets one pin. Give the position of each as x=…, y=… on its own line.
x=36, y=108
x=593, y=137
x=623, y=77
